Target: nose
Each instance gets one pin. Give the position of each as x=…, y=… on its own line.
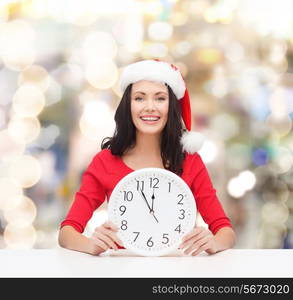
x=150, y=105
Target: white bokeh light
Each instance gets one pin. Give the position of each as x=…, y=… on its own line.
x=101, y=74
x=99, y=45
x=10, y=194
x=160, y=31
x=9, y=148
x=235, y=189
x=97, y=120
x=28, y=101
x=208, y=151
x=19, y=238
x=283, y=161
x=35, y=75
x=17, y=44
x=247, y=179
x=239, y=185
x=25, y=171
x=24, y=130
x=54, y=92
x=23, y=214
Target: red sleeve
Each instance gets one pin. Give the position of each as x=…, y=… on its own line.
x=89, y=197
x=208, y=204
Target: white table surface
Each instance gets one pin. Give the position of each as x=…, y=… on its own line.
x=61, y=262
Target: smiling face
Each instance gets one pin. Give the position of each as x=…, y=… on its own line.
x=149, y=106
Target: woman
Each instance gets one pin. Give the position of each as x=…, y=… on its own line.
x=149, y=133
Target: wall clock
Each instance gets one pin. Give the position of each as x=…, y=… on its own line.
x=153, y=208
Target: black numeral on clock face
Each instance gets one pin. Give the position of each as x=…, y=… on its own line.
x=123, y=225
x=137, y=234
x=128, y=196
x=165, y=238
x=154, y=183
x=182, y=216
x=140, y=185
x=169, y=185
x=122, y=208
x=150, y=242
x=178, y=228
x=180, y=196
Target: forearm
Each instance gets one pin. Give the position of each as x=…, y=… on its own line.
x=71, y=239
x=224, y=238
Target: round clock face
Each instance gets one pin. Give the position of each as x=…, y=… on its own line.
x=153, y=208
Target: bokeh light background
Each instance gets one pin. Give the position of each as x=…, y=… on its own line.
x=59, y=68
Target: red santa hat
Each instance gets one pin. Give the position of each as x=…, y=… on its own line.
x=160, y=71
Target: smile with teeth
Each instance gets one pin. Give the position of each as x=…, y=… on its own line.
x=150, y=119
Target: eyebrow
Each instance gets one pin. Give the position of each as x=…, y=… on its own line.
x=155, y=93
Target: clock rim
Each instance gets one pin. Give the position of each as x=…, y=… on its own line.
x=111, y=211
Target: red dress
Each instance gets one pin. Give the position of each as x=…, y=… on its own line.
x=106, y=170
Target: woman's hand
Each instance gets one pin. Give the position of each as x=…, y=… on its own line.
x=198, y=240
x=104, y=238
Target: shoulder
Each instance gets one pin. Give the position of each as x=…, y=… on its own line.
x=103, y=156
x=192, y=158
x=105, y=159
x=192, y=162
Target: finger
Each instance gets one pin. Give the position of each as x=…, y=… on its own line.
x=112, y=235
x=107, y=225
x=106, y=240
x=110, y=225
x=197, y=245
x=200, y=249
x=192, y=233
x=100, y=243
x=194, y=239
x=201, y=242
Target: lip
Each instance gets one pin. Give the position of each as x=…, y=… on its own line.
x=149, y=116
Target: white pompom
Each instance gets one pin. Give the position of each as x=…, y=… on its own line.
x=192, y=141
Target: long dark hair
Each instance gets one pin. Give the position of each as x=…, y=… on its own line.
x=124, y=137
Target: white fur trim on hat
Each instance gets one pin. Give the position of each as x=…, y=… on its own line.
x=153, y=71
x=192, y=141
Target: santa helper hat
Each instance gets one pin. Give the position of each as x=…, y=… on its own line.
x=160, y=71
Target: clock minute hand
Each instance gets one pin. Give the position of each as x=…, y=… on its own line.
x=145, y=199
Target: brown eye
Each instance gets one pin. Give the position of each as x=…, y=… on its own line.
x=138, y=99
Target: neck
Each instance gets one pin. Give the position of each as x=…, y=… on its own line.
x=147, y=144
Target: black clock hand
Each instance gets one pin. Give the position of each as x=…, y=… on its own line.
x=154, y=216
x=153, y=198
x=151, y=208
x=151, y=211
x=144, y=198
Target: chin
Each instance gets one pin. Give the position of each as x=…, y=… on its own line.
x=152, y=131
